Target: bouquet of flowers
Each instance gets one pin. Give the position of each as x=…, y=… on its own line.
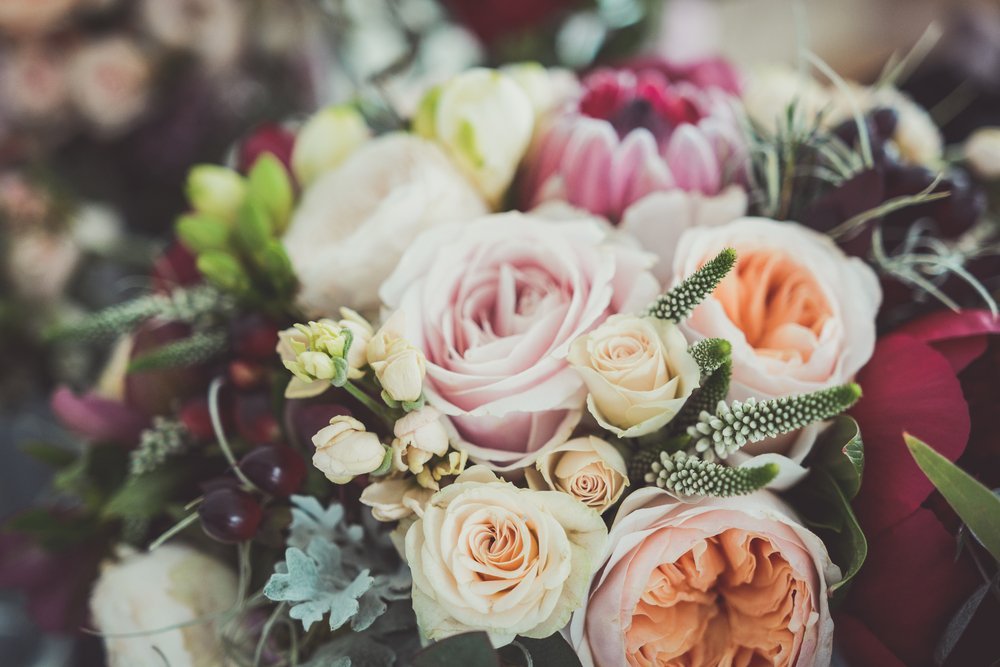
x=629, y=369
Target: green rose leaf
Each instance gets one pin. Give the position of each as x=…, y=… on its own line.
x=841, y=453
x=471, y=649
x=977, y=506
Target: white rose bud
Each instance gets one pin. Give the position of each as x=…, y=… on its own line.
x=399, y=367
x=485, y=121
x=216, y=191
x=638, y=371
x=344, y=449
x=589, y=469
x=326, y=140
x=420, y=435
x=137, y=596
x=982, y=150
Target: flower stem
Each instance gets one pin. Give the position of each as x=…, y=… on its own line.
x=173, y=530
x=220, y=435
x=377, y=408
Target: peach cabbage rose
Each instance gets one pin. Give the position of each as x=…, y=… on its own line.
x=733, y=581
x=587, y=468
x=355, y=222
x=799, y=313
x=144, y=592
x=638, y=371
x=486, y=555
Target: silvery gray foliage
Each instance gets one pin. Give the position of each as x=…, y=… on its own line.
x=337, y=569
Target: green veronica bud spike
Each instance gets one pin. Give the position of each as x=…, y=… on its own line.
x=733, y=426
x=711, y=353
x=678, y=303
x=688, y=475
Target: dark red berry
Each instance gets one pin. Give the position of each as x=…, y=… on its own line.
x=254, y=337
x=275, y=469
x=195, y=417
x=230, y=515
x=255, y=419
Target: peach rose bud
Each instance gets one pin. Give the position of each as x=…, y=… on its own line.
x=344, y=449
x=589, y=469
x=420, y=435
x=638, y=372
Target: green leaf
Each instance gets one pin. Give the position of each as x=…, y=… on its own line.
x=146, y=496
x=472, y=649
x=94, y=476
x=269, y=183
x=977, y=506
x=201, y=233
x=553, y=650
x=54, y=456
x=278, y=268
x=51, y=530
x=841, y=453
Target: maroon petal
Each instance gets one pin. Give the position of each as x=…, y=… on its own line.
x=860, y=646
x=266, y=138
x=960, y=337
x=911, y=585
x=98, y=419
x=908, y=387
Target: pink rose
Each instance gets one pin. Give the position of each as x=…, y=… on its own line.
x=109, y=83
x=800, y=315
x=494, y=305
x=732, y=581
x=33, y=83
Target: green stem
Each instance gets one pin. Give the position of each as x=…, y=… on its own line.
x=220, y=435
x=377, y=408
x=176, y=528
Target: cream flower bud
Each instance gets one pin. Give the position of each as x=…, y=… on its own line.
x=317, y=365
x=216, y=191
x=638, y=371
x=326, y=140
x=420, y=435
x=546, y=88
x=485, y=121
x=143, y=593
x=361, y=332
x=344, y=449
x=589, y=469
x=399, y=366
x=396, y=499
x=315, y=354
x=982, y=150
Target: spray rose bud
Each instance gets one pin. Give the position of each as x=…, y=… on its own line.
x=216, y=191
x=485, y=121
x=982, y=150
x=420, y=436
x=326, y=140
x=344, y=449
x=399, y=366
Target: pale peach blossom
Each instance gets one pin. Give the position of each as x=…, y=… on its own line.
x=638, y=373
x=34, y=85
x=587, y=468
x=720, y=582
x=486, y=555
x=344, y=449
x=109, y=83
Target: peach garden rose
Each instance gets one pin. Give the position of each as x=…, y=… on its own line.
x=733, y=581
x=486, y=555
x=799, y=313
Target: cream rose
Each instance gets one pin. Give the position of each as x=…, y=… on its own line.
x=589, y=469
x=638, y=372
x=725, y=581
x=344, y=449
x=799, y=313
x=489, y=556
x=355, y=221
x=144, y=592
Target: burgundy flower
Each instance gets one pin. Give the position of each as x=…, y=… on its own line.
x=491, y=20
x=267, y=138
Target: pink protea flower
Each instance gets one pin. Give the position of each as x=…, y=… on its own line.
x=631, y=133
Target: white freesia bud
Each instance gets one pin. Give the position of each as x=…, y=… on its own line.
x=145, y=592
x=326, y=140
x=344, y=449
x=485, y=121
x=398, y=365
x=420, y=435
x=982, y=150
x=216, y=191
x=589, y=469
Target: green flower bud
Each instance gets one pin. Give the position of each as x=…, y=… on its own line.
x=201, y=233
x=271, y=186
x=224, y=271
x=216, y=191
x=326, y=140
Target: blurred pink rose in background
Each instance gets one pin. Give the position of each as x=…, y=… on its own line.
x=27, y=17
x=496, y=320
x=109, y=83
x=33, y=80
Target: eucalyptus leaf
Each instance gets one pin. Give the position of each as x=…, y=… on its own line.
x=472, y=649
x=977, y=506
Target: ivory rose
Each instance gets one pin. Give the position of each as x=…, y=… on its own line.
x=354, y=222
x=732, y=581
x=486, y=555
x=638, y=371
x=589, y=469
x=145, y=592
x=496, y=317
x=344, y=449
x=799, y=313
